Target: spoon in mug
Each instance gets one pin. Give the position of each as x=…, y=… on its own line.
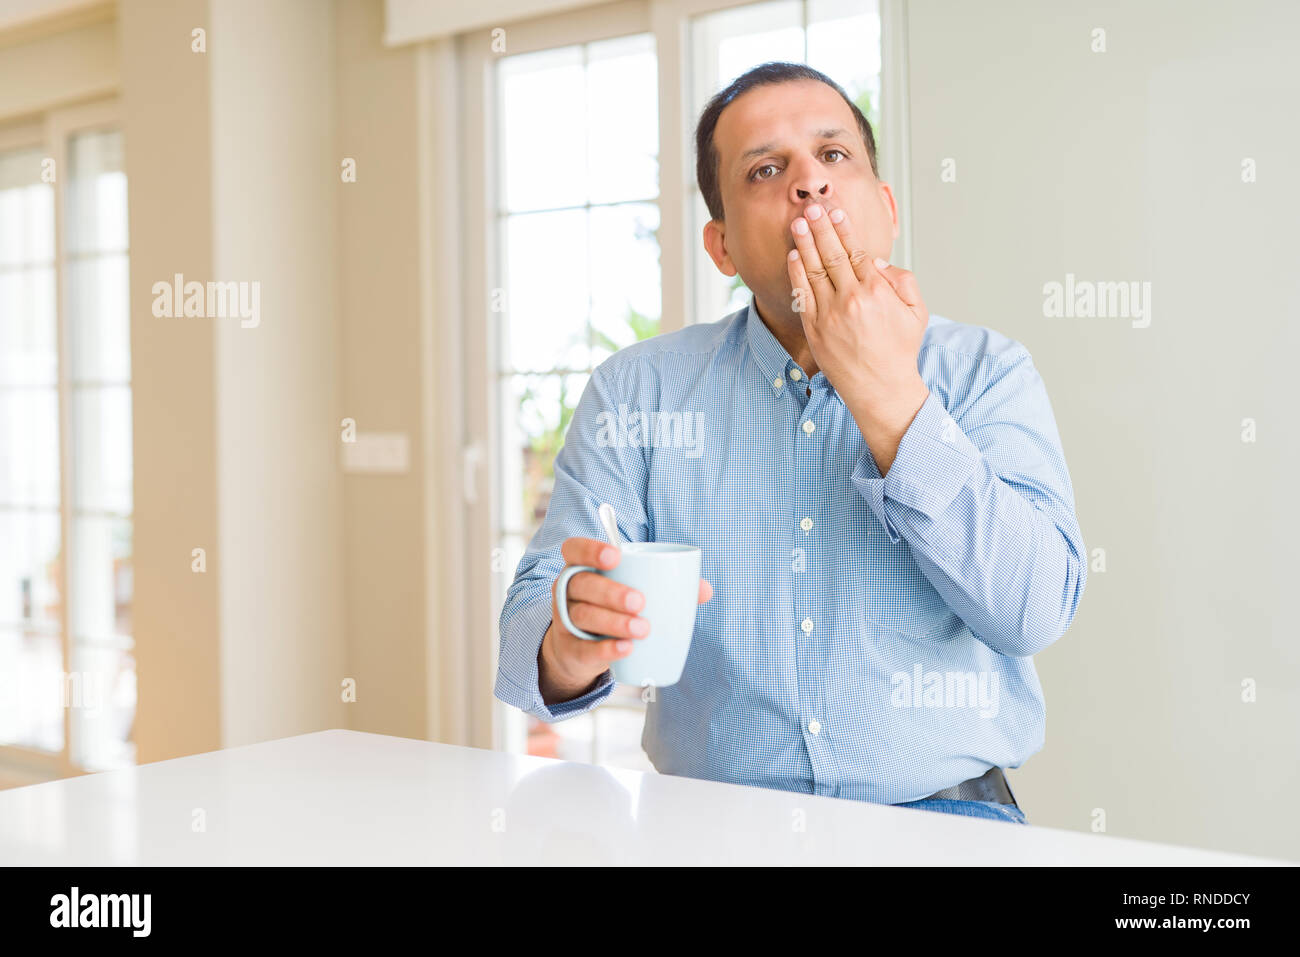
x=607, y=518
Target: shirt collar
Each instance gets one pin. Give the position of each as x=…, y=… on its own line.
x=773, y=361
x=771, y=357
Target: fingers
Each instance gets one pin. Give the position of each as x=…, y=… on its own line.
x=585, y=658
x=802, y=299
x=830, y=249
x=859, y=259
x=706, y=590
x=589, y=551
x=901, y=281
x=599, y=620
x=818, y=278
x=599, y=590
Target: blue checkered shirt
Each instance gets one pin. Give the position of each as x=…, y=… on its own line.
x=868, y=638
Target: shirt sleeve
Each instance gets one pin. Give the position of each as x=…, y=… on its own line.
x=592, y=467
x=985, y=504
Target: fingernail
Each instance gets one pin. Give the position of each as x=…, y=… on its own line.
x=623, y=645
x=607, y=556
x=633, y=601
x=813, y=212
x=801, y=226
x=880, y=263
x=639, y=626
x=792, y=255
x=837, y=216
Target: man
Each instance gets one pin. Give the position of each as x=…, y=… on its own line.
x=880, y=495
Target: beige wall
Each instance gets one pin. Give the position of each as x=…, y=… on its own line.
x=1125, y=165
x=230, y=165
x=379, y=290
x=230, y=160
x=167, y=133
x=40, y=69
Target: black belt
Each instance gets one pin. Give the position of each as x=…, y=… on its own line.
x=989, y=786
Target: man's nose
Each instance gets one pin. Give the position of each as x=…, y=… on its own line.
x=809, y=181
x=811, y=190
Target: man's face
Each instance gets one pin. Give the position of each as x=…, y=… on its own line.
x=809, y=149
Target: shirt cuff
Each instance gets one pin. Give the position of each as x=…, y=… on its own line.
x=519, y=687
x=934, y=462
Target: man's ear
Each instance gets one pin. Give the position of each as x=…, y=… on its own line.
x=716, y=244
x=887, y=197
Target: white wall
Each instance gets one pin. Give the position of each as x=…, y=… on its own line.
x=1126, y=165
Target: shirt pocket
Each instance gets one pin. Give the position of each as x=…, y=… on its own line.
x=906, y=606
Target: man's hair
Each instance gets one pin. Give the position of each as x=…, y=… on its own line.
x=707, y=161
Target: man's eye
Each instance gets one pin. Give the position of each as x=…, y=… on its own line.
x=754, y=177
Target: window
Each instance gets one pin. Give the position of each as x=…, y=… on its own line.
x=597, y=238
x=31, y=603
x=580, y=267
x=65, y=449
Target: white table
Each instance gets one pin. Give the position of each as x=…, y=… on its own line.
x=349, y=798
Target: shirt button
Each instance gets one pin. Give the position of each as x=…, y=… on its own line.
x=807, y=626
x=796, y=375
x=806, y=524
x=776, y=383
x=814, y=726
x=808, y=426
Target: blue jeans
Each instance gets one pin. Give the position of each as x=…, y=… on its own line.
x=985, y=809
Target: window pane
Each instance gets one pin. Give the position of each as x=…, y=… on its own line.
x=844, y=43
x=26, y=210
x=510, y=550
x=626, y=294
x=581, y=283
x=29, y=571
x=545, y=317
x=727, y=43
x=102, y=577
x=622, y=120
x=31, y=709
x=28, y=348
x=96, y=194
x=102, y=426
x=511, y=454
x=103, y=719
x=98, y=313
x=100, y=568
x=543, y=132
x=29, y=447
x=512, y=553
x=542, y=407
